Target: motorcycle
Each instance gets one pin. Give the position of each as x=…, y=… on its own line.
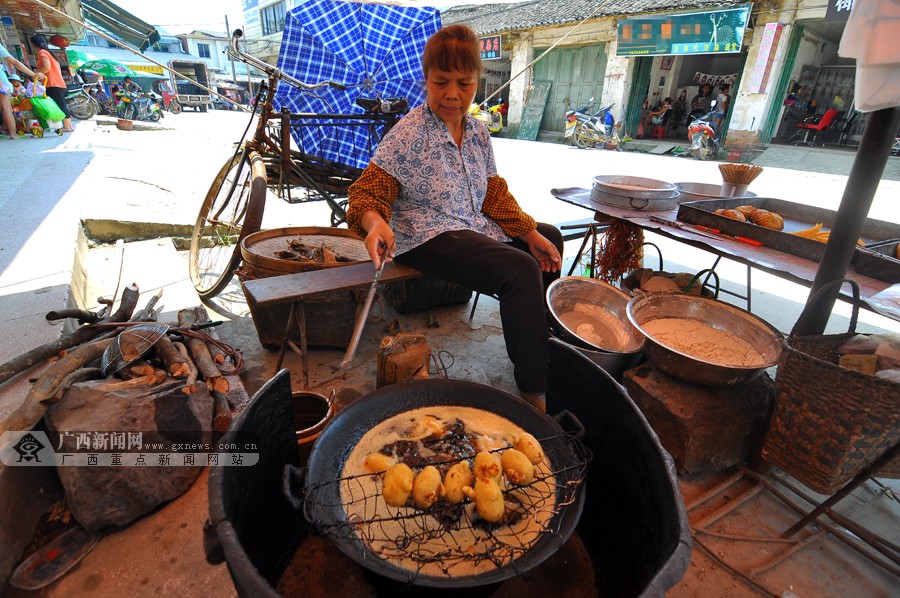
x=80, y=103
x=702, y=133
x=586, y=130
x=134, y=106
x=490, y=116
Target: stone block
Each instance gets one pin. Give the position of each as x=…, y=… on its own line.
x=99, y=496
x=703, y=428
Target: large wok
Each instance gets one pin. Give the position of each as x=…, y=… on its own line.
x=326, y=463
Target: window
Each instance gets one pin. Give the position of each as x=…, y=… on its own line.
x=272, y=18
x=203, y=50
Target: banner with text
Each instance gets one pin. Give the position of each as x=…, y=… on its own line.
x=707, y=32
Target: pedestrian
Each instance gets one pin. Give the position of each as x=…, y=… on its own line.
x=132, y=87
x=56, y=85
x=7, y=60
x=723, y=100
x=431, y=198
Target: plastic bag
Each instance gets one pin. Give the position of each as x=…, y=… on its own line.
x=47, y=109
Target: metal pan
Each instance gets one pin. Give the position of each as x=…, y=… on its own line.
x=326, y=463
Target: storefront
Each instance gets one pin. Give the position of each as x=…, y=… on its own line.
x=675, y=54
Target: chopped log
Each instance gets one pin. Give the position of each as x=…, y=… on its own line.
x=69, y=380
x=189, y=384
x=81, y=335
x=136, y=369
x=83, y=316
x=208, y=369
x=148, y=380
x=30, y=412
x=170, y=356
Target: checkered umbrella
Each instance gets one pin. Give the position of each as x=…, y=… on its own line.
x=375, y=50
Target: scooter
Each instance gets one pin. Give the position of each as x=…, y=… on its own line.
x=702, y=133
x=80, y=103
x=586, y=130
x=490, y=116
x=133, y=106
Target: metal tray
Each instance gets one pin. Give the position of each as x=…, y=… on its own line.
x=635, y=193
x=877, y=260
x=796, y=217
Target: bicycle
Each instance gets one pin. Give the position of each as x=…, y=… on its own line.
x=234, y=205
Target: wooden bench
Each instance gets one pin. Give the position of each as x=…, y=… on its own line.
x=294, y=289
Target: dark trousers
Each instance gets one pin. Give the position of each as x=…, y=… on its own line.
x=509, y=272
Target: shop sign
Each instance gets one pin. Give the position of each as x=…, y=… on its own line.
x=490, y=47
x=767, y=48
x=707, y=32
x=250, y=4
x=147, y=68
x=838, y=10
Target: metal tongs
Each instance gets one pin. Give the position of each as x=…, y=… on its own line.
x=364, y=314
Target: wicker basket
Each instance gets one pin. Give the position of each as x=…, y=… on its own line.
x=829, y=422
x=424, y=292
x=329, y=319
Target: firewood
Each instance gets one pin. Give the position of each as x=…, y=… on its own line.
x=32, y=409
x=189, y=384
x=136, y=370
x=67, y=382
x=170, y=356
x=81, y=335
x=148, y=380
x=201, y=355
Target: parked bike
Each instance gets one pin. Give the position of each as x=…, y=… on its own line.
x=134, y=106
x=490, y=116
x=80, y=103
x=586, y=130
x=702, y=133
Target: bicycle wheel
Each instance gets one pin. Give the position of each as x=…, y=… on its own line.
x=233, y=208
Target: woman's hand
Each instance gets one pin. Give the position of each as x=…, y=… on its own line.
x=543, y=251
x=379, y=237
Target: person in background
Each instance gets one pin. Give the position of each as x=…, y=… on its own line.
x=56, y=85
x=18, y=90
x=431, y=198
x=132, y=87
x=657, y=117
x=723, y=101
x=700, y=103
x=7, y=60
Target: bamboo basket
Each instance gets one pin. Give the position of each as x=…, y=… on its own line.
x=829, y=422
x=329, y=319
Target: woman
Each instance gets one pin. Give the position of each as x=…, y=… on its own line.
x=700, y=103
x=56, y=85
x=6, y=113
x=432, y=197
x=723, y=100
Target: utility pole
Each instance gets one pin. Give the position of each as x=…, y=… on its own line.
x=227, y=51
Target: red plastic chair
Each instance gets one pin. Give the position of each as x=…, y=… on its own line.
x=815, y=128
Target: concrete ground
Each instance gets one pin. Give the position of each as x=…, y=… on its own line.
x=153, y=180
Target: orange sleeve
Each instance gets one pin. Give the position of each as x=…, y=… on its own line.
x=501, y=207
x=375, y=190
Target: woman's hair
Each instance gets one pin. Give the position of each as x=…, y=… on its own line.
x=38, y=40
x=453, y=48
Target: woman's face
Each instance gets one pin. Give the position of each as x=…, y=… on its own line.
x=450, y=93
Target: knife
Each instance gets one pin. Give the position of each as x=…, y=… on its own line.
x=704, y=231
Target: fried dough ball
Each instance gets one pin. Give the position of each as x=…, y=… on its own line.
x=487, y=465
x=528, y=444
x=398, y=483
x=767, y=219
x=733, y=214
x=488, y=499
x=433, y=426
x=516, y=467
x=427, y=487
x=378, y=462
x=458, y=477
x=746, y=210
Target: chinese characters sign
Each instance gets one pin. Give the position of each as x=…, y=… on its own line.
x=838, y=10
x=760, y=77
x=490, y=47
x=712, y=32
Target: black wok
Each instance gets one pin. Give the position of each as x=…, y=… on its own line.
x=326, y=463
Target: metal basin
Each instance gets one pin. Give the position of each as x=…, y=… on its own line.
x=765, y=339
x=637, y=193
x=597, y=308
x=700, y=191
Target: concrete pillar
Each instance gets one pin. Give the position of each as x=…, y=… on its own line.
x=614, y=89
x=520, y=55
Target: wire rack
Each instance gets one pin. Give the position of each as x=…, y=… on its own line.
x=446, y=538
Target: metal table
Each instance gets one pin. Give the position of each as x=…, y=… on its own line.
x=775, y=262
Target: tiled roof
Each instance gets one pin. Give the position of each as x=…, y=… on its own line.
x=493, y=18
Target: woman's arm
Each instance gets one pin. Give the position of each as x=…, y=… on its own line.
x=14, y=63
x=371, y=199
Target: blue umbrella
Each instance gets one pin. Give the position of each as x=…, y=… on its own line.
x=374, y=50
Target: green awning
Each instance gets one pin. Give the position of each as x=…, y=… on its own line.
x=118, y=21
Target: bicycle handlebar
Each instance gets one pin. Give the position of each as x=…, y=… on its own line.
x=274, y=72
